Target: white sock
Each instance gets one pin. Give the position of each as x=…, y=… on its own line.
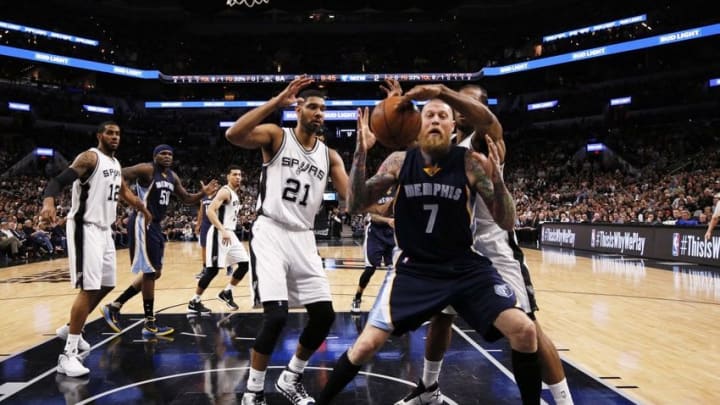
x=229, y=287
x=431, y=371
x=196, y=298
x=116, y=305
x=296, y=365
x=256, y=380
x=71, y=346
x=561, y=393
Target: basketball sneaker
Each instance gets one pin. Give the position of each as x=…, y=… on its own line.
x=197, y=308
x=423, y=396
x=290, y=385
x=253, y=398
x=151, y=329
x=111, y=316
x=63, y=331
x=71, y=366
x=226, y=296
x=355, y=307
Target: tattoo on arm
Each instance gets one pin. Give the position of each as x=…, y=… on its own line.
x=357, y=195
x=364, y=193
x=84, y=164
x=495, y=195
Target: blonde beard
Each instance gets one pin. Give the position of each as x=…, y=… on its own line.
x=434, y=146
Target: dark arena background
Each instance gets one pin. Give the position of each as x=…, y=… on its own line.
x=610, y=112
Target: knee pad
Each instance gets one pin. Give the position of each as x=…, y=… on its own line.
x=274, y=318
x=208, y=275
x=241, y=270
x=365, y=277
x=321, y=317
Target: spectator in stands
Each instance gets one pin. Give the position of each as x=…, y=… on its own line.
x=58, y=235
x=9, y=244
x=38, y=237
x=651, y=219
x=686, y=219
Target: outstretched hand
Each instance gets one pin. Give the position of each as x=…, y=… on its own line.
x=494, y=157
x=210, y=188
x=365, y=137
x=288, y=96
x=392, y=88
x=423, y=92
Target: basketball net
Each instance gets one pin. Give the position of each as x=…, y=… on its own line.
x=246, y=3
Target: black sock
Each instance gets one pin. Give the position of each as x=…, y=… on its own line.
x=127, y=294
x=358, y=295
x=526, y=367
x=148, y=305
x=342, y=374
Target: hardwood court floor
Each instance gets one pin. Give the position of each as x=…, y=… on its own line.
x=650, y=329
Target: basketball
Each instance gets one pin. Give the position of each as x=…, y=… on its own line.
x=395, y=125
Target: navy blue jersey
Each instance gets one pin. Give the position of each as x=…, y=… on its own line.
x=157, y=196
x=432, y=209
x=205, y=224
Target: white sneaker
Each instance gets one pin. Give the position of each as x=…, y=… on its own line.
x=253, y=398
x=290, y=385
x=71, y=366
x=63, y=331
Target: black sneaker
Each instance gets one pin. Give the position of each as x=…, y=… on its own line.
x=198, y=308
x=111, y=316
x=226, y=296
x=152, y=329
x=423, y=396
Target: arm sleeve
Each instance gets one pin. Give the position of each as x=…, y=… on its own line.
x=56, y=184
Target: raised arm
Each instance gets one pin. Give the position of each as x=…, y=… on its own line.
x=187, y=198
x=485, y=177
x=362, y=194
x=141, y=171
x=83, y=165
x=247, y=132
x=483, y=120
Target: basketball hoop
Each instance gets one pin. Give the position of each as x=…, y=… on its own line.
x=246, y=3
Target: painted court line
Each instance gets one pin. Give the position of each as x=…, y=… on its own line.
x=490, y=358
x=139, y=383
x=22, y=386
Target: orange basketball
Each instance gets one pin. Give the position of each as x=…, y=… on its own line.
x=395, y=125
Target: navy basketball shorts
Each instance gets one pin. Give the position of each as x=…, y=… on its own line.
x=414, y=292
x=379, y=245
x=203, y=234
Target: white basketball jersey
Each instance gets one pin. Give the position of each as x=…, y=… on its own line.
x=94, y=200
x=293, y=182
x=228, y=212
x=483, y=222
